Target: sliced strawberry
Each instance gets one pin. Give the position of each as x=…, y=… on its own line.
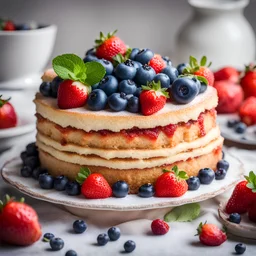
x=227, y=73
x=8, y=117
x=247, y=111
x=157, y=63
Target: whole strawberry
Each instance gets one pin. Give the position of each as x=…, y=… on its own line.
x=252, y=211
x=200, y=69
x=211, y=235
x=247, y=111
x=109, y=46
x=243, y=195
x=18, y=223
x=8, y=117
x=152, y=98
x=8, y=26
x=171, y=183
x=94, y=186
x=157, y=63
x=248, y=81
x=159, y=227
x=227, y=73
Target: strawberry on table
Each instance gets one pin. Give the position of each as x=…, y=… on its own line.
x=94, y=185
x=157, y=63
x=159, y=227
x=243, y=195
x=109, y=46
x=211, y=235
x=171, y=183
x=248, y=81
x=227, y=73
x=153, y=98
x=247, y=111
x=8, y=117
x=18, y=223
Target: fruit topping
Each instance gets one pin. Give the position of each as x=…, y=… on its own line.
x=102, y=239
x=97, y=100
x=157, y=63
x=171, y=72
x=79, y=226
x=133, y=53
x=127, y=86
x=159, y=227
x=206, y=176
x=56, y=244
x=133, y=104
x=144, y=75
x=146, y=190
x=114, y=233
x=125, y=70
x=193, y=183
x=55, y=86
x=129, y=246
x=117, y=101
x=109, y=85
x=120, y=189
x=247, y=111
x=240, y=248
x=8, y=117
x=164, y=80
x=144, y=56
x=235, y=218
x=45, y=89
x=181, y=67
x=107, y=65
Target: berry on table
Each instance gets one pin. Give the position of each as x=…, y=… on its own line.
x=235, y=218
x=164, y=79
x=146, y=190
x=125, y=70
x=26, y=171
x=120, y=189
x=144, y=56
x=220, y=174
x=73, y=188
x=127, y=86
x=97, y=100
x=71, y=253
x=56, y=243
x=109, y=85
x=193, y=183
x=37, y=171
x=55, y=86
x=60, y=182
x=45, y=181
x=206, y=176
x=133, y=104
x=223, y=164
x=45, y=89
x=171, y=72
x=144, y=75
x=240, y=248
x=129, y=246
x=79, y=226
x=114, y=233
x=159, y=227
x=31, y=149
x=47, y=237
x=240, y=128
x=102, y=239
x=117, y=101
x=107, y=65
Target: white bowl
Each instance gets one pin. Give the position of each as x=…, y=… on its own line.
x=25, y=52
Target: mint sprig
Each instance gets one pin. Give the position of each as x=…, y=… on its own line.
x=71, y=66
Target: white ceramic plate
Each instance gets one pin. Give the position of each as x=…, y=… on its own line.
x=29, y=186
x=248, y=138
x=246, y=228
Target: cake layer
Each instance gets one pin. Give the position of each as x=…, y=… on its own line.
x=159, y=137
x=134, y=177
x=213, y=134
x=87, y=120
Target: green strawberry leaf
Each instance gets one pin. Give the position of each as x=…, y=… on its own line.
x=156, y=86
x=184, y=213
x=94, y=72
x=83, y=175
x=2, y=101
x=251, y=179
x=203, y=61
x=202, y=79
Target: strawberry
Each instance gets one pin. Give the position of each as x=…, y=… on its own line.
x=211, y=235
x=152, y=98
x=94, y=186
x=159, y=227
x=8, y=117
x=18, y=223
x=247, y=111
x=109, y=46
x=243, y=195
x=199, y=69
x=248, y=81
x=227, y=73
x=252, y=212
x=230, y=96
x=171, y=183
x=157, y=63
x=72, y=94
x=8, y=26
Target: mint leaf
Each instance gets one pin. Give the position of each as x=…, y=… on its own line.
x=95, y=72
x=184, y=213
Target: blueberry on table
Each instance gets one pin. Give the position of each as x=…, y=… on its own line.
x=164, y=80
x=133, y=53
x=117, y=101
x=26, y=171
x=133, y=104
x=73, y=188
x=127, y=86
x=181, y=67
x=240, y=128
x=120, y=189
x=56, y=243
x=171, y=72
x=193, y=183
x=206, y=176
x=232, y=123
x=47, y=237
x=109, y=85
x=37, y=171
x=60, y=182
x=114, y=233
x=125, y=70
x=107, y=65
x=129, y=246
x=79, y=226
x=146, y=190
x=240, y=248
x=144, y=56
x=71, y=253
x=235, y=218
x=223, y=164
x=55, y=86
x=45, y=181
x=45, y=89
x=102, y=239
x=31, y=149
x=220, y=174
x=32, y=162
x=144, y=75
x=97, y=100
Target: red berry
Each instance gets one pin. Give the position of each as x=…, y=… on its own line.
x=247, y=111
x=248, y=83
x=252, y=211
x=206, y=73
x=8, y=26
x=157, y=63
x=159, y=227
x=227, y=73
x=8, y=117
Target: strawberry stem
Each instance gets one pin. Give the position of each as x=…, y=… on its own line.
x=83, y=175
x=103, y=38
x=2, y=101
x=156, y=86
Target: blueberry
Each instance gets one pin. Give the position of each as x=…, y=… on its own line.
x=95, y=86
x=220, y=174
x=193, y=183
x=127, y=86
x=167, y=60
x=91, y=51
x=144, y=74
x=47, y=237
x=102, y=239
x=138, y=91
x=206, y=175
x=171, y=72
x=203, y=87
x=71, y=253
x=232, y=123
x=55, y=86
x=144, y=56
x=133, y=53
x=60, y=182
x=240, y=128
x=129, y=246
x=97, y=100
x=137, y=64
x=114, y=233
x=164, y=79
x=23, y=156
x=181, y=67
x=22, y=26
x=240, y=248
x=146, y=190
x=31, y=149
x=45, y=181
x=109, y=85
x=120, y=189
x=184, y=90
x=125, y=70
x=117, y=101
x=223, y=164
x=133, y=104
x=26, y=171
x=89, y=58
x=32, y=161
x=107, y=65
x=198, y=83
x=235, y=218
x=45, y=89
x=73, y=188
x=79, y=226
x=37, y=171
x=56, y=244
